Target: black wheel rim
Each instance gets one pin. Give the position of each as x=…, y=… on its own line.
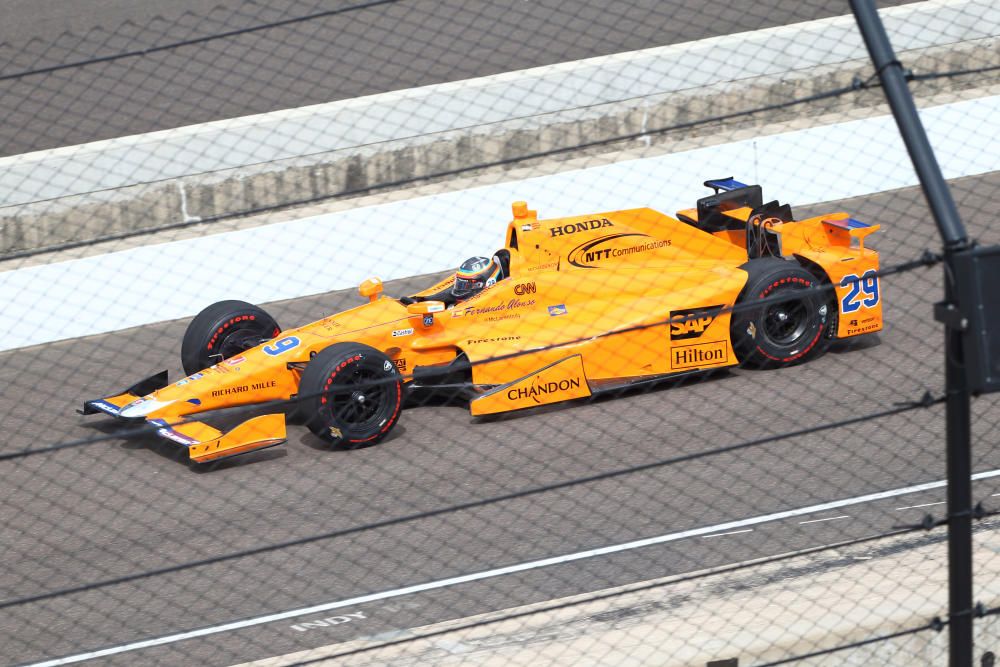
x=785, y=322
x=357, y=398
x=242, y=339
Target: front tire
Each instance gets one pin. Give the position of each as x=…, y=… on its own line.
x=223, y=330
x=779, y=332
x=351, y=394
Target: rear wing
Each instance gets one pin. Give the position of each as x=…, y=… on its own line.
x=725, y=184
x=845, y=228
x=729, y=195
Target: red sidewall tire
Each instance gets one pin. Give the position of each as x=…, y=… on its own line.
x=785, y=332
x=223, y=330
x=351, y=395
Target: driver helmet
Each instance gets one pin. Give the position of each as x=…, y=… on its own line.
x=475, y=275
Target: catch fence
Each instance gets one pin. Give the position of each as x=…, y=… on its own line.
x=751, y=477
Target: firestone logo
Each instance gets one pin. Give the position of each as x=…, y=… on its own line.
x=497, y=339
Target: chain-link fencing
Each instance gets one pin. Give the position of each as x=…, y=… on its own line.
x=650, y=374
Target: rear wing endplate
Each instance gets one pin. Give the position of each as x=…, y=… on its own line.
x=854, y=229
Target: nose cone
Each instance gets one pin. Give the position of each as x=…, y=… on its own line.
x=143, y=407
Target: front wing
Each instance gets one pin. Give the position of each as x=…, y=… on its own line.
x=204, y=443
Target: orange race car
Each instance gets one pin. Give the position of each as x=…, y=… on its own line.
x=568, y=308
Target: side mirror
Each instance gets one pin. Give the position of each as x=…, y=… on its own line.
x=425, y=310
x=425, y=307
x=371, y=288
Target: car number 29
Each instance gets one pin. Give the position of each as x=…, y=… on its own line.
x=864, y=291
x=281, y=346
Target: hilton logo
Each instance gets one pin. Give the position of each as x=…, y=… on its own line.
x=696, y=356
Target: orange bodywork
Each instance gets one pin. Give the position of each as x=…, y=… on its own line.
x=591, y=302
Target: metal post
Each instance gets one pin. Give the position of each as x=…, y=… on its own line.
x=959, y=474
x=958, y=426
x=890, y=73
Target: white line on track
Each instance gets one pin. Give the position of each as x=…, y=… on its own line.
x=829, y=518
x=732, y=532
x=913, y=507
x=488, y=574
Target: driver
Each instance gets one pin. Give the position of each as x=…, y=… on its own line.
x=473, y=276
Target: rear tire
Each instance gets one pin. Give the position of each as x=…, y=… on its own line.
x=779, y=333
x=351, y=395
x=223, y=330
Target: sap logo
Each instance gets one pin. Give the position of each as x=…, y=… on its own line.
x=580, y=227
x=691, y=323
x=525, y=288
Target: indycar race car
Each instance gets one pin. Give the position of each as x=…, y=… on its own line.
x=585, y=305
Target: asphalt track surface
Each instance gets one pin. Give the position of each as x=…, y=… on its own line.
x=388, y=46
x=120, y=507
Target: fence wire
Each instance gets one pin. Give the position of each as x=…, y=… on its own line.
x=748, y=465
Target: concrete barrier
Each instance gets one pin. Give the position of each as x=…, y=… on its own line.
x=352, y=147
x=419, y=235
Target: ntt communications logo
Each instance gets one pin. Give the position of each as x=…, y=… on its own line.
x=593, y=253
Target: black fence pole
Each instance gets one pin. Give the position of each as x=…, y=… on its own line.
x=890, y=73
x=959, y=456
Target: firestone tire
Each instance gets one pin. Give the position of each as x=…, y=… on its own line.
x=351, y=395
x=779, y=333
x=223, y=330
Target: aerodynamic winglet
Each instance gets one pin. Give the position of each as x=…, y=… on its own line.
x=112, y=405
x=205, y=443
